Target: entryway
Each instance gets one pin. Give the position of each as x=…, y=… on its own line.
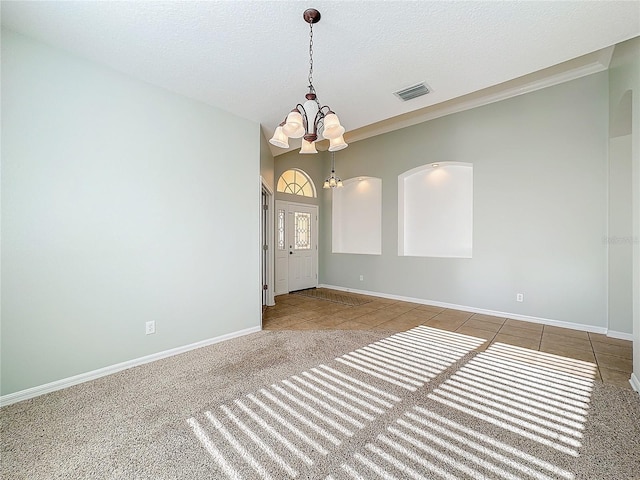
x=296, y=247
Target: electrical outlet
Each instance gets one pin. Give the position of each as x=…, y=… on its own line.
x=361, y=278
x=519, y=297
x=150, y=327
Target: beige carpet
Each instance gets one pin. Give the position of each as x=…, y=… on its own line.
x=333, y=296
x=335, y=405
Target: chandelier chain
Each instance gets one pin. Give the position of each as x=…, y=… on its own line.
x=311, y=58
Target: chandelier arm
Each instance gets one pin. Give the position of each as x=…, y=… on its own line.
x=318, y=121
x=300, y=108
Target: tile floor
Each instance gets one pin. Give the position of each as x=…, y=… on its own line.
x=296, y=312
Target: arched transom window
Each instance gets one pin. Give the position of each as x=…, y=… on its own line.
x=296, y=182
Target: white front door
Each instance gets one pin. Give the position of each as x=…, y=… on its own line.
x=297, y=246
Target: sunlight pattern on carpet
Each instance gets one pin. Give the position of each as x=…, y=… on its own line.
x=539, y=397
x=396, y=409
x=306, y=416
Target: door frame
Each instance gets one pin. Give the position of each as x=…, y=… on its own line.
x=315, y=234
x=267, y=238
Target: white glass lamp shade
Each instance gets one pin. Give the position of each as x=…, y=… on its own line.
x=332, y=127
x=337, y=143
x=308, y=147
x=293, y=127
x=326, y=184
x=279, y=139
x=340, y=185
x=332, y=182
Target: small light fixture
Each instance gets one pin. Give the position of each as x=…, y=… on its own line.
x=435, y=165
x=307, y=120
x=332, y=181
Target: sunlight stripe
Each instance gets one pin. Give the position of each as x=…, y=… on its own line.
x=333, y=398
x=387, y=371
x=521, y=385
x=431, y=467
x=505, y=425
x=489, y=450
x=558, y=376
x=434, y=439
x=433, y=352
x=404, y=361
x=238, y=447
x=274, y=433
x=508, y=414
x=359, y=391
x=425, y=353
x=351, y=397
x=551, y=360
x=515, y=401
x=429, y=348
x=362, y=384
x=382, y=473
x=376, y=374
x=352, y=472
x=259, y=442
x=393, y=365
x=324, y=404
x=559, y=382
x=494, y=443
x=414, y=357
x=301, y=418
x=312, y=411
x=201, y=435
x=533, y=400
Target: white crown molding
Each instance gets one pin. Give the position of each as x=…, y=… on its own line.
x=101, y=372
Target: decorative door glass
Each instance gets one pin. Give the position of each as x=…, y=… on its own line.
x=280, y=229
x=302, y=231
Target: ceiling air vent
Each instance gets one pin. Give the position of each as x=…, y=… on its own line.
x=413, y=91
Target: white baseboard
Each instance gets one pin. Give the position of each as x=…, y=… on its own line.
x=464, y=308
x=101, y=372
x=620, y=335
x=635, y=382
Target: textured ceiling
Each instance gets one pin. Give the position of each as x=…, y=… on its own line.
x=251, y=57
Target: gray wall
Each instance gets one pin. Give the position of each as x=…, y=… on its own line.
x=266, y=163
x=540, y=206
x=121, y=203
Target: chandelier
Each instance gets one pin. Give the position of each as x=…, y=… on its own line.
x=332, y=181
x=308, y=120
